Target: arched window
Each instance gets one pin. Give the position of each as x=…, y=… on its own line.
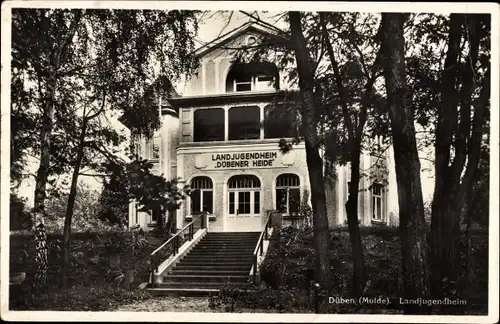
x=202, y=195
x=244, y=195
x=288, y=194
x=255, y=76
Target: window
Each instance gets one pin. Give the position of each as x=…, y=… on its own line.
x=244, y=123
x=152, y=148
x=155, y=155
x=377, y=202
x=244, y=195
x=264, y=82
x=288, y=194
x=202, y=195
x=243, y=83
x=251, y=40
x=208, y=125
x=252, y=77
x=279, y=122
x=155, y=214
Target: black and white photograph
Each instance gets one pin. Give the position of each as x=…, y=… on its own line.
x=249, y=161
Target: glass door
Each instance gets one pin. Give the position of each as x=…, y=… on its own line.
x=244, y=203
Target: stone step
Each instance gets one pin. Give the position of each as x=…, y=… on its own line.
x=218, y=257
x=204, y=278
x=220, y=253
x=231, y=237
x=224, y=250
x=189, y=260
x=232, y=233
x=208, y=272
x=200, y=285
x=230, y=246
x=177, y=292
x=238, y=242
x=219, y=267
x=214, y=263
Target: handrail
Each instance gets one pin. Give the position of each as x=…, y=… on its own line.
x=174, y=241
x=260, y=244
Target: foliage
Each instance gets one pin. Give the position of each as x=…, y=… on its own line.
x=86, y=211
x=135, y=180
x=20, y=218
x=93, y=284
x=288, y=267
x=113, y=204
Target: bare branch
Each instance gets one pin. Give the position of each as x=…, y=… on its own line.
x=98, y=112
x=281, y=32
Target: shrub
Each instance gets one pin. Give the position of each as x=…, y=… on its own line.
x=20, y=218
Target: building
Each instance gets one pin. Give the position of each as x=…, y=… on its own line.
x=216, y=137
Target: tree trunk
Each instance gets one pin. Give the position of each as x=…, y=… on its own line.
x=443, y=220
x=454, y=134
x=314, y=161
x=355, y=136
x=43, y=170
x=66, y=247
x=413, y=230
x=40, y=235
x=359, y=269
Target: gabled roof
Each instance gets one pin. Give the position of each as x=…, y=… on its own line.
x=233, y=34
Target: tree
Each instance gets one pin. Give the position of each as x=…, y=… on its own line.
x=312, y=143
x=354, y=87
x=64, y=56
x=462, y=114
x=136, y=181
x=413, y=229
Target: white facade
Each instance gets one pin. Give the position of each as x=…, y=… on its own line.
x=212, y=138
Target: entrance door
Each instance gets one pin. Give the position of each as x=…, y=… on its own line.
x=244, y=212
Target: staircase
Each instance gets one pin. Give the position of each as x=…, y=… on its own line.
x=219, y=257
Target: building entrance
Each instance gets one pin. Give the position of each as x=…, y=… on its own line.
x=244, y=204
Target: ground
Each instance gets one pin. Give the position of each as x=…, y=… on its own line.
x=286, y=273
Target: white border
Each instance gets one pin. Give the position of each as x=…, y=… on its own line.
x=444, y=8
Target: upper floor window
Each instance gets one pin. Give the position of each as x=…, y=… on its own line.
x=208, y=125
x=244, y=123
x=252, y=77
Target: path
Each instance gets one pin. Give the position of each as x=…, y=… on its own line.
x=177, y=304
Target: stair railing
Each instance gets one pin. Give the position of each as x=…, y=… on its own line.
x=172, y=245
x=259, y=248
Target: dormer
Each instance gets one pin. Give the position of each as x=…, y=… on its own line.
x=244, y=77
x=220, y=74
